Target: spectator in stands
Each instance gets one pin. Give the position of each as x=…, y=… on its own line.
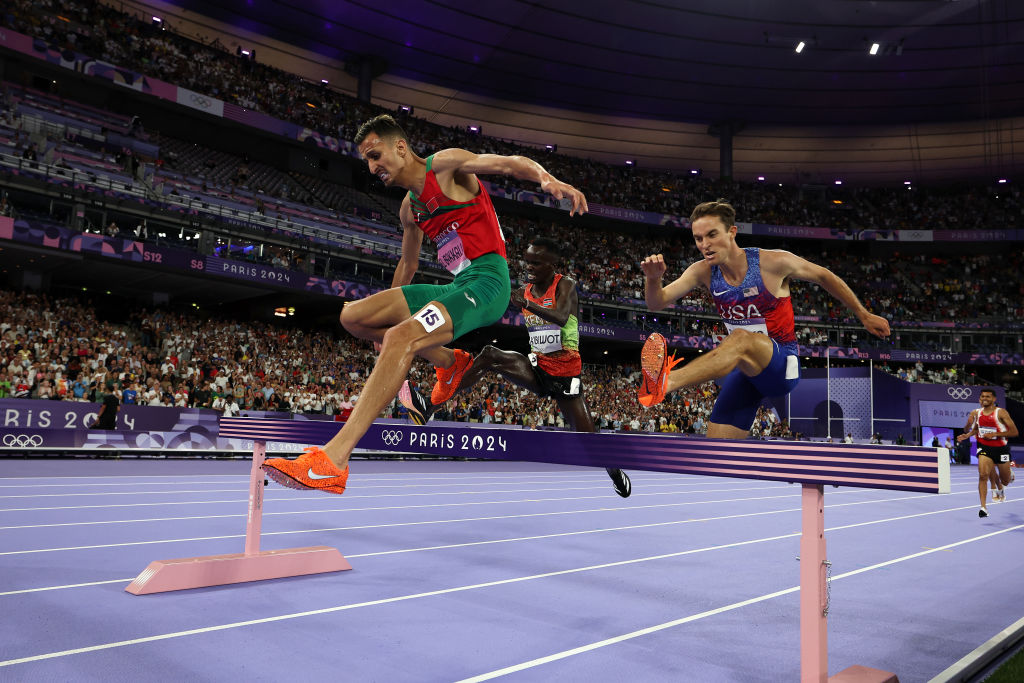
x=106, y=417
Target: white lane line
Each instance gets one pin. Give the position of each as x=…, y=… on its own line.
x=404, y=494
x=118, y=493
x=70, y=585
x=658, y=524
x=447, y=482
x=544, y=514
x=434, y=487
x=330, y=510
x=397, y=524
x=709, y=613
x=458, y=545
x=520, y=579
x=392, y=476
x=353, y=528
x=318, y=496
x=382, y=601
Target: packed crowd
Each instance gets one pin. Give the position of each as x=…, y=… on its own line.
x=904, y=287
x=57, y=348
x=606, y=264
x=204, y=65
x=54, y=348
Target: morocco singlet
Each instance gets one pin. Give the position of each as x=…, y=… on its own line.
x=988, y=426
x=461, y=231
x=557, y=348
x=750, y=306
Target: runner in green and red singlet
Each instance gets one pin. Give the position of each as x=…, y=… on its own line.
x=447, y=203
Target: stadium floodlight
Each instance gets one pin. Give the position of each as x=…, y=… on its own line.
x=874, y=49
x=761, y=178
x=1003, y=181
x=630, y=162
x=839, y=182
x=800, y=47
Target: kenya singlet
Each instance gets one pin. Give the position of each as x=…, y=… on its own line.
x=461, y=231
x=557, y=348
x=750, y=306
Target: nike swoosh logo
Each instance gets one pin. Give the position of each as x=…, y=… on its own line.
x=313, y=475
x=471, y=299
x=721, y=293
x=450, y=379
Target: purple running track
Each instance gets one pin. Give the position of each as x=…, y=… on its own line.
x=476, y=570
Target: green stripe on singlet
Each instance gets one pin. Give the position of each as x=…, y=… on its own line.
x=421, y=206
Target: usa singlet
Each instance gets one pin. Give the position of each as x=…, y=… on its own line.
x=461, y=231
x=750, y=306
x=557, y=348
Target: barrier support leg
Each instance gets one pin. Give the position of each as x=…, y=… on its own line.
x=813, y=622
x=254, y=520
x=252, y=565
x=814, y=600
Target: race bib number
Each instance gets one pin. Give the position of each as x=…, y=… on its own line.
x=430, y=317
x=546, y=339
x=451, y=253
x=761, y=328
x=988, y=433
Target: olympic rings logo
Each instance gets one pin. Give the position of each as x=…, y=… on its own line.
x=391, y=437
x=960, y=393
x=201, y=101
x=23, y=440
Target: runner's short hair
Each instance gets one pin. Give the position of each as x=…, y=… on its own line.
x=383, y=125
x=547, y=243
x=719, y=208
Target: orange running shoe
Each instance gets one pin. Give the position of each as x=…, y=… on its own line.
x=311, y=470
x=656, y=364
x=448, y=378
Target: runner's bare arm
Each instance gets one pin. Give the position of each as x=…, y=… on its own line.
x=971, y=428
x=412, y=240
x=657, y=296
x=1011, y=428
x=456, y=160
x=785, y=264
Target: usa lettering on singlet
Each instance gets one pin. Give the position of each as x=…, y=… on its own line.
x=750, y=306
x=557, y=348
x=461, y=231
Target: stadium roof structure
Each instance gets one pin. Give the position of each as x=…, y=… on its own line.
x=701, y=61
